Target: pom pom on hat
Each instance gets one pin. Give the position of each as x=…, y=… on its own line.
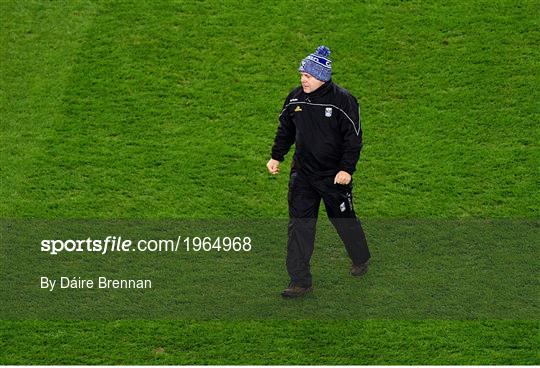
x=318, y=64
x=323, y=51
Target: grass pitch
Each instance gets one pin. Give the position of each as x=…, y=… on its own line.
x=167, y=110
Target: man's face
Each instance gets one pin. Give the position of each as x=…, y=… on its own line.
x=309, y=82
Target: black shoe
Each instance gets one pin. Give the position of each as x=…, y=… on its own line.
x=295, y=291
x=359, y=270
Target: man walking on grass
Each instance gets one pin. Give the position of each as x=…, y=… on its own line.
x=323, y=120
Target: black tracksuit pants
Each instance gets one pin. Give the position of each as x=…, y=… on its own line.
x=305, y=195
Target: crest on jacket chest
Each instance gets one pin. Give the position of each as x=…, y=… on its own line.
x=328, y=112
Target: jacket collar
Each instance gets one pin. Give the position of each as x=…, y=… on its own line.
x=321, y=91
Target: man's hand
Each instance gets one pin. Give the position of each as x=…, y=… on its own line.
x=273, y=166
x=342, y=178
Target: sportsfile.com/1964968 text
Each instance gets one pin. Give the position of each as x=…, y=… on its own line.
x=119, y=244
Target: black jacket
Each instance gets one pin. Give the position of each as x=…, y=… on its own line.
x=325, y=125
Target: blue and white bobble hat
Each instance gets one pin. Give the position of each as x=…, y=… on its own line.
x=318, y=64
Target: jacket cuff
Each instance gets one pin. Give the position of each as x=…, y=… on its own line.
x=348, y=170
